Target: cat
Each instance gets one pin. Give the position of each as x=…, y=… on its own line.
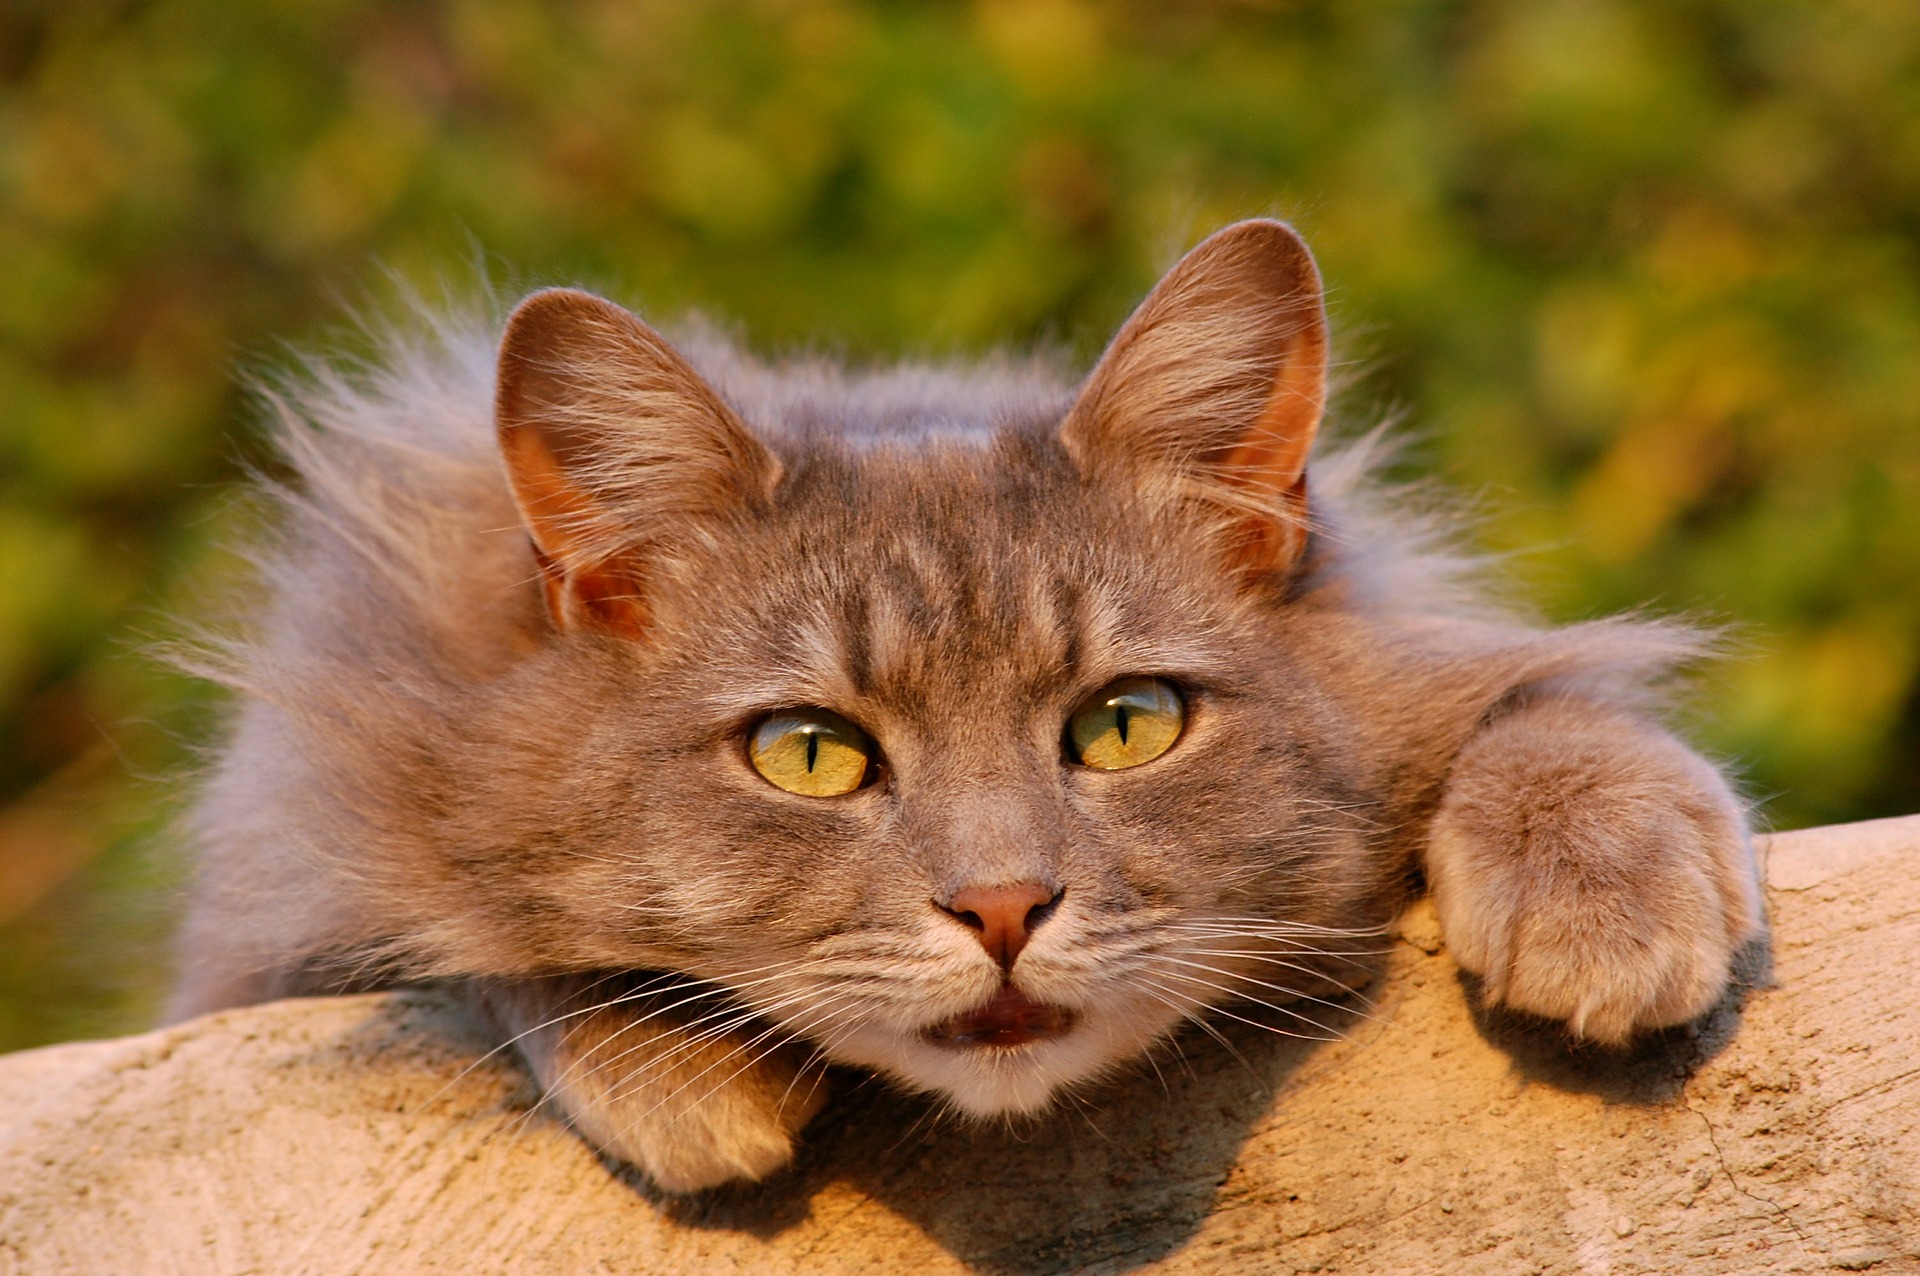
x=711, y=719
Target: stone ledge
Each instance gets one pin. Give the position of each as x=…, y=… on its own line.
x=359, y=1134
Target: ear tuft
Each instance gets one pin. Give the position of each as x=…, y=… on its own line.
x=1214, y=388
x=615, y=450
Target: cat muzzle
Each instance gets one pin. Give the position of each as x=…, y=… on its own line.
x=1011, y=1019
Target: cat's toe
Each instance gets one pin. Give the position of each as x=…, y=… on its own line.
x=1610, y=960
x=1605, y=973
x=698, y=1150
x=741, y=1131
x=691, y=1109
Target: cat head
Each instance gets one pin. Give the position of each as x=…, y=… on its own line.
x=953, y=726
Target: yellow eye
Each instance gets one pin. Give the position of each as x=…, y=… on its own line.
x=1125, y=723
x=811, y=752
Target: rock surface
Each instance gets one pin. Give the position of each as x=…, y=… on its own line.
x=372, y=1134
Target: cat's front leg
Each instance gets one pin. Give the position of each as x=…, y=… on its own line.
x=1591, y=868
x=684, y=1087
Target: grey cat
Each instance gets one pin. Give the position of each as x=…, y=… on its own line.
x=713, y=719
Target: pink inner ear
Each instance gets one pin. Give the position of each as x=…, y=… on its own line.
x=1272, y=454
x=613, y=446
x=610, y=597
x=553, y=508
x=607, y=593
x=1272, y=457
x=613, y=598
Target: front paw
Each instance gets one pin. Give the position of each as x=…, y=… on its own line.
x=686, y=1127
x=648, y=1079
x=1591, y=868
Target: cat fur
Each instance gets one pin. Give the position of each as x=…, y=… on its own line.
x=458, y=754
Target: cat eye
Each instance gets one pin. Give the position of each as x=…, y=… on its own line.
x=812, y=752
x=1126, y=723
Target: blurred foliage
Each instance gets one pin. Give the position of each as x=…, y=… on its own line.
x=1643, y=274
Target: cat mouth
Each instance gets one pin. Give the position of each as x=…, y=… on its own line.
x=1011, y=1019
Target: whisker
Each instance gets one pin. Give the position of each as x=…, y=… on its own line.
x=1264, y=1027
x=1357, y=958
x=690, y=1036
x=517, y=1037
x=1282, y=989
x=719, y=1024
x=1285, y=1032
x=1278, y=926
x=1165, y=998
x=696, y=992
x=743, y=1048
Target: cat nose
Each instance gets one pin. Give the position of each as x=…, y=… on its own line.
x=1004, y=916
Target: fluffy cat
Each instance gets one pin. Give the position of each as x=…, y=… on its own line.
x=712, y=718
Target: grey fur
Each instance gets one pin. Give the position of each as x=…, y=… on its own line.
x=427, y=777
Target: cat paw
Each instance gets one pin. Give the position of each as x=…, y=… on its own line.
x=641, y=1080
x=739, y=1130
x=1590, y=868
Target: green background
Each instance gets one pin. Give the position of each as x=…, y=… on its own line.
x=1642, y=278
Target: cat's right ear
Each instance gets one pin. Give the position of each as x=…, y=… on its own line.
x=615, y=450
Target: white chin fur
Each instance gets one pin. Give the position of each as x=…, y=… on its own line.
x=990, y=1081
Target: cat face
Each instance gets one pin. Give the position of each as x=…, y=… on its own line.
x=955, y=896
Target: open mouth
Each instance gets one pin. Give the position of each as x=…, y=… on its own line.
x=1011, y=1019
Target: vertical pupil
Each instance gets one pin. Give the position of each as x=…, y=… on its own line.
x=813, y=750
x=1120, y=721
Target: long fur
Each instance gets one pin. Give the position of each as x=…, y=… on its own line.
x=425, y=778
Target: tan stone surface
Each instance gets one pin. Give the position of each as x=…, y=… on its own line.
x=359, y=1135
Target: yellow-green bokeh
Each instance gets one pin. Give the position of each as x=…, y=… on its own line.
x=1643, y=276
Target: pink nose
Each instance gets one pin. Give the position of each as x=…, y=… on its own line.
x=1004, y=916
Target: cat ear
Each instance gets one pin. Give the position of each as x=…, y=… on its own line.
x=615, y=450
x=1212, y=390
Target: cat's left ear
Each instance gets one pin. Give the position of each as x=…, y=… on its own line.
x=1213, y=389
x=618, y=454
